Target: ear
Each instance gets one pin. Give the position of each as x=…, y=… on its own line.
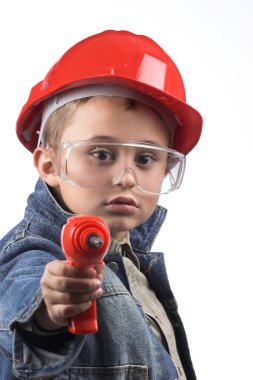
x=43, y=162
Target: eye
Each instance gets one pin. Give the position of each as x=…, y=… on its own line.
x=145, y=159
x=102, y=154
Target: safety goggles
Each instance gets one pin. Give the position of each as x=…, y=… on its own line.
x=153, y=169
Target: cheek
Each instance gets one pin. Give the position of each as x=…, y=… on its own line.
x=82, y=201
x=149, y=205
x=73, y=199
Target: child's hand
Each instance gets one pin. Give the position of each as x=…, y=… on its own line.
x=67, y=291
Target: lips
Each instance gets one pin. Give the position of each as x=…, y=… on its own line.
x=122, y=201
x=122, y=206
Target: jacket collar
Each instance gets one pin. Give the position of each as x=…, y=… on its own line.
x=43, y=207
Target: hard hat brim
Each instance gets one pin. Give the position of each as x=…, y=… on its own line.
x=189, y=120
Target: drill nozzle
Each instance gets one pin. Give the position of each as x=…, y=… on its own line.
x=95, y=241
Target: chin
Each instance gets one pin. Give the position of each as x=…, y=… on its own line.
x=119, y=230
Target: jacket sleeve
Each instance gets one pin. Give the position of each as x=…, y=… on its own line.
x=21, y=267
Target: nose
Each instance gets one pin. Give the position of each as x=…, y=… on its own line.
x=127, y=178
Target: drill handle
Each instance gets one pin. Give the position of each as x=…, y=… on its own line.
x=85, y=241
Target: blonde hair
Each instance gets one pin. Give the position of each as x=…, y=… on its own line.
x=58, y=120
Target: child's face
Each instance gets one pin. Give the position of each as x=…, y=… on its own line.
x=110, y=117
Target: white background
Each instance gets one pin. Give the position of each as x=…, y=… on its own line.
x=208, y=234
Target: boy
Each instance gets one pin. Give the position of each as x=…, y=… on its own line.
x=109, y=129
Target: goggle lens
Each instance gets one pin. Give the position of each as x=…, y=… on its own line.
x=155, y=169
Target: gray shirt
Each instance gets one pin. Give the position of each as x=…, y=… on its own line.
x=152, y=307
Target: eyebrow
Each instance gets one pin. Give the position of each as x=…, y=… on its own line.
x=107, y=138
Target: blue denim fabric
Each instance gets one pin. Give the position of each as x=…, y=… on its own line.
x=124, y=347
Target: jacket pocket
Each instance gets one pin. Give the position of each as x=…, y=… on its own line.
x=125, y=372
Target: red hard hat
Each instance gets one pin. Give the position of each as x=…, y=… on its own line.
x=117, y=58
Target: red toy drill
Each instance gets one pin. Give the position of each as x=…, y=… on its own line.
x=85, y=240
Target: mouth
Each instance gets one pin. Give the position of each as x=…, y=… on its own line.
x=124, y=204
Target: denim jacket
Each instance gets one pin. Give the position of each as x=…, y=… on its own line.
x=124, y=347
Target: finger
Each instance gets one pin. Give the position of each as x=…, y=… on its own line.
x=69, y=285
x=99, y=268
x=58, y=298
x=63, y=268
x=100, y=271
x=60, y=314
